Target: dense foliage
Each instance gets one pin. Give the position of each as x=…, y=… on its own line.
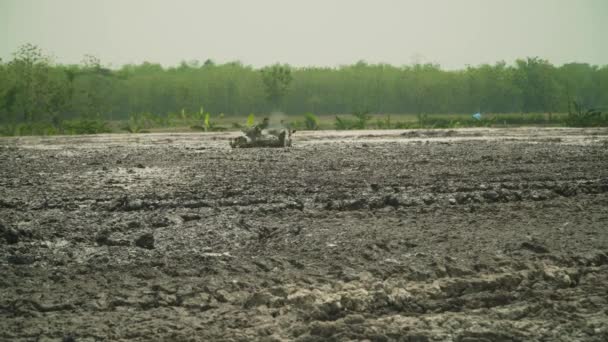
x=34, y=89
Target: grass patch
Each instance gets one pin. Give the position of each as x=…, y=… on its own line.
x=201, y=121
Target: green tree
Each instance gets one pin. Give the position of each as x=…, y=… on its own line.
x=537, y=80
x=41, y=91
x=277, y=79
x=92, y=89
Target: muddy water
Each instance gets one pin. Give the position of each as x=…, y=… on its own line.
x=443, y=235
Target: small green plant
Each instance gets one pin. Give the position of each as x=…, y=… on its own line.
x=296, y=124
x=422, y=119
x=207, y=122
x=202, y=121
x=8, y=130
x=359, y=122
x=311, y=121
x=250, y=120
x=384, y=123
x=138, y=122
x=342, y=124
x=361, y=119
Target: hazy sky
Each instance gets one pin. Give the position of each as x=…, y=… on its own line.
x=453, y=33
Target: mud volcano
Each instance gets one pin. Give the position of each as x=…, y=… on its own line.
x=466, y=235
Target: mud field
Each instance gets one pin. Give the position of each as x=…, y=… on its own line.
x=466, y=235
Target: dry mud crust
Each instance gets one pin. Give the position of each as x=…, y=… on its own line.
x=345, y=236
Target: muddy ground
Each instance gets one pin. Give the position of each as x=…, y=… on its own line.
x=465, y=235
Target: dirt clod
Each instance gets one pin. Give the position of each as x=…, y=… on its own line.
x=145, y=241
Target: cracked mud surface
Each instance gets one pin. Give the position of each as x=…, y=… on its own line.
x=466, y=235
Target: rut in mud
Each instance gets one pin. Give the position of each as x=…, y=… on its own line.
x=412, y=238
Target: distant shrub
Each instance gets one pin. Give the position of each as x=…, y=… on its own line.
x=296, y=124
x=404, y=125
x=85, y=126
x=360, y=121
x=581, y=117
x=137, y=123
x=311, y=121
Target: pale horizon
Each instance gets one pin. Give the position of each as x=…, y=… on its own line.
x=312, y=33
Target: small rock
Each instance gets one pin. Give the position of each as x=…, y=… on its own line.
x=536, y=196
x=140, y=166
x=391, y=200
x=491, y=195
x=145, y=241
x=428, y=199
x=354, y=319
x=223, y=296
x=461, y=198
x=452, y=201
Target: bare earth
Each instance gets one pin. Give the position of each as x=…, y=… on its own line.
x=463, y=235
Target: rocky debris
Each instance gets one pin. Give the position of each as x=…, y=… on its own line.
x=145, y=240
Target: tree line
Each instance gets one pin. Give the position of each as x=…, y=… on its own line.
x=33, y=88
